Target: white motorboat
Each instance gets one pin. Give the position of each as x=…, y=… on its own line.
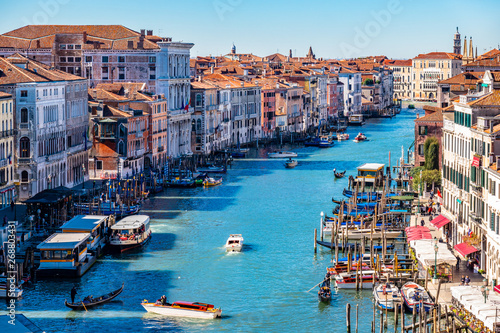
x=282, y=154
x=387, y=296
x=415, y=296
x=360, y=137
x=234, y=243
x=184, y=309
x=342, y=136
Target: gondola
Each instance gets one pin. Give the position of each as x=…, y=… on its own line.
x=339, y=174
x=94, y=301
x=325, y=293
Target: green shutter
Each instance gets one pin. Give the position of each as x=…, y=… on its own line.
x=492, y=221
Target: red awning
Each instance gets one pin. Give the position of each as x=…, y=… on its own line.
x=497, y=289
x=464, y=249
x=417, y=233
x=440, y=221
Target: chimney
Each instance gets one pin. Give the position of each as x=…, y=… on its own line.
x=85, y=37
x=150, y=32
x=143, y=32
x=242, y=83
x=199, y=78
x=211, y=69
x=37, y=43
x=418, y=115
x=130, y=44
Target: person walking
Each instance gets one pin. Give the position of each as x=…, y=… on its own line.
x=12, y=205
x=422, y=223
x=458, y=263
x=73, y=294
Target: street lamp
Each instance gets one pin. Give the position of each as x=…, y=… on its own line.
x=485, y=291
x=436, y=248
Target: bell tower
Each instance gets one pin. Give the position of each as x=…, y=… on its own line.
x=457, y=43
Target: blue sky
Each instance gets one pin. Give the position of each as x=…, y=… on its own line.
x=334, y=28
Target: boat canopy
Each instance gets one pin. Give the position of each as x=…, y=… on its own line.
x=84, y=223
x=371, y=167
x=63, y=241
x=131, y=222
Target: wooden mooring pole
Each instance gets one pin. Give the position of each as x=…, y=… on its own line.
x=348, y=317
x=315, y=240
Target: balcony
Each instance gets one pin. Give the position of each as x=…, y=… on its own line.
x=25, y=160
x=24, y=126
x=4, y=162
x=475, y=216
x=160, y=149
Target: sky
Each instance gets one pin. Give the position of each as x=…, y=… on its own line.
x=398, y=29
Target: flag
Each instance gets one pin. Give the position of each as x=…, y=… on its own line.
x=439, y=193
x=187, y=105
x=469, y=233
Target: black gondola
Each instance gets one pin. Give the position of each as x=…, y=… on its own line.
x=89, y=302
x=325, y=293
x=339, y=174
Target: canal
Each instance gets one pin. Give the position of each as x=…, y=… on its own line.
x=262, y=289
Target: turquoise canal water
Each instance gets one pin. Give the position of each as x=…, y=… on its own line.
x=262, y=289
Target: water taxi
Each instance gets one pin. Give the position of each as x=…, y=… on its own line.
x=387, y=296
x=290, y=164
x=212, y=181
x=282, y=154
x=342, y=136
x=325, y=141
x=371, y=174
x=184, y=309
x=95, y=225
x=234, y=243
x=360, y=137
x=347, y=280
x=129, y=233
x=65, y=254
x=414, y=296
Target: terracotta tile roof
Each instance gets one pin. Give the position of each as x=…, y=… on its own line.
x=494, y=62
x=489, y=55
x=467, y=78
x=107, y=36
x=124, y=87
x=19, y=69
x=110, y=111
x=439, y=55
x=104, y=95
x=492, y=99
x=201, y=85
x=449, y=108
x=395, y=62
x=436, y=116
x=222, y=81
x=5, y=95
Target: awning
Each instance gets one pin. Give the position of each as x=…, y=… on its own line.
x=497, y=289
x=440, y=221
x=464, y=249
x=476, y=161
x=417, y=233
x=403, y=198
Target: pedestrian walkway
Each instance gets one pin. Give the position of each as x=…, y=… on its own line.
x=445, y=293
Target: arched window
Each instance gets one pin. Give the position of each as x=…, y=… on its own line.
x=24, y=147
x=24, y=176
x=193, y=125
x=198, y=125
x=198, y=100
x=24, y=115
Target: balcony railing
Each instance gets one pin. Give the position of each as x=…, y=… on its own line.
x=25, y=160
x=4, y=162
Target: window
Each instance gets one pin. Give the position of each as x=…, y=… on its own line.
x=71, y=59
x=421, y=149
x=198, y=100
x=24, y=115
x=105, y=73
x=99, y=165
x=24, y=147
x=104, y=59
x=121, y=58
x=78, y=59
x=24, y=176
x=70, y=46
x=152, y=59
x=121, y=73
x=152, y=73
x=88, y=58
x=62, y=59
x=24, y=93
x=422, y=130
x=78, y=47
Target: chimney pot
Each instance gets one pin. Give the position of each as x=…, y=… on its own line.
x=150, y=32
x=143, y=32
x=85, y=37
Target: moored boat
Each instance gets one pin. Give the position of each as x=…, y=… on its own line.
x=282, y=154
x=130, y=232
x=356, y=119
x=90, y=301
x=325, y=141
x=184, y=309
x=347, y=280
x=108, y=208
x=387, y=296
x=234, y=243
x=181, y=182
x=213, y=169
x=342, y=136
x=415, y=296
x=377, y=234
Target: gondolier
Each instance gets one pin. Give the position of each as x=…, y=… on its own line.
x=73, y=294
